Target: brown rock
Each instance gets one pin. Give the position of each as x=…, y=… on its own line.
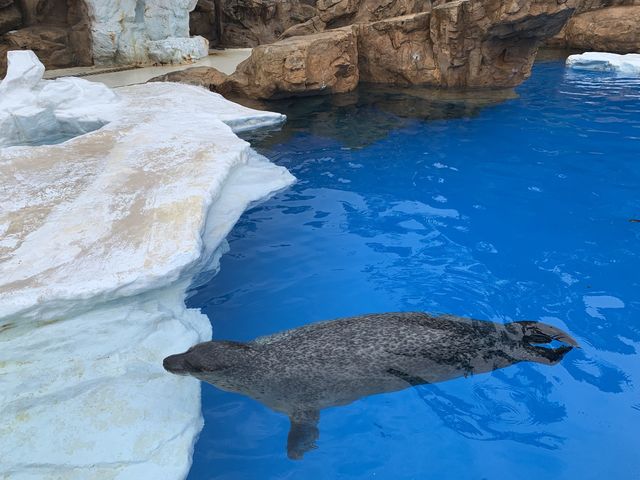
x=463, y=43
x=614, y=29
x=339, y=13
x=310, y=65
x=56, y=30
x=397, y=51
x=248, y=23
x=10, y=17
x=204, y=20
x=581, y=6
x=482, y=44
x=207, y=77
x=314, y=25
x=50, y=44
x=336, y=13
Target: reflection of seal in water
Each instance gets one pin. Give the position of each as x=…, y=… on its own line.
x=301, y=371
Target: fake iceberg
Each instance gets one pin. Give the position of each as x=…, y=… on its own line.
x=100, y=237
x=628, y=64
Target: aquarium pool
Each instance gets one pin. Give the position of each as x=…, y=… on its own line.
x=502, y=209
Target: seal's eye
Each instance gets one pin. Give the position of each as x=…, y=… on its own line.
x=537, y=337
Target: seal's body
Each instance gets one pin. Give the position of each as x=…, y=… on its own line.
x=299, y=372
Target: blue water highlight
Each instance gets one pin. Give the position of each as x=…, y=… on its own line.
x=520, y=209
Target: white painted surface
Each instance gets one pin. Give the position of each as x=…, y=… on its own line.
x=137, y=31
x=628, y=64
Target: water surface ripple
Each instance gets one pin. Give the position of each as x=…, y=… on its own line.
x=498, y=208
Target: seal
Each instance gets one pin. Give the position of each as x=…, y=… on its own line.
x=302, y=371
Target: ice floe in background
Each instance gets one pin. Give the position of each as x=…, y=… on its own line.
x=628, y=64
x=100, y=236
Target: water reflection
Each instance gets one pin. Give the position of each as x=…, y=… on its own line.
x=299, y=372
x=505, y=409
x=340, y=117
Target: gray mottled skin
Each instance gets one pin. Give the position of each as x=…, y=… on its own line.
x=299, y=372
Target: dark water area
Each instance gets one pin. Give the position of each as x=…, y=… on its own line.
x=499, y=206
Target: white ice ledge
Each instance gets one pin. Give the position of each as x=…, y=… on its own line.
x=99, y=239
x=628, y=64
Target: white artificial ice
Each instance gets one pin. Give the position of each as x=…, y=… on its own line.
x=628, y=65
x=33, y=111
x=100, y=238
x=143, y=31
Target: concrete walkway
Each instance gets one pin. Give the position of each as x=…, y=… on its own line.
x=224, y=60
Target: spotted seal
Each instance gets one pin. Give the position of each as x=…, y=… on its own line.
x=302, y=371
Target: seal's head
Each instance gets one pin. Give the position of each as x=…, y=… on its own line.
x=537, y=339
x=207, y=358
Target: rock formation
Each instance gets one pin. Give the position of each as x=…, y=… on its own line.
x=66, y=33
x=398, y=51
x=247, y=23
x=206, y=77
x=313, y=64
x=491, y=44
x=613, y=29
x=462, y=43
x=131, y=31
x=601, y=25
x=10, y=16
x=298, y=66
x=338, y=13
x=56, y=30
x=204, y=20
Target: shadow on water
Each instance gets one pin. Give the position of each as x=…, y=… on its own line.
x=299, y=372
x=340, y=117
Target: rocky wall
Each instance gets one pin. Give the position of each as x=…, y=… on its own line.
x=65, y=33
x=603, y=26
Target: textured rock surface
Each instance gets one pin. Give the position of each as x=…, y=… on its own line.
x=491, y=44
x=605, y=25
x=99, y=239
x=397, y=51
x=56, y=30
x=10, y=16
x=614, y=29
x=461, y=43
x=248, y=23
x=66, y=33
x=332, y=13
x=130, y=31
x=204, y=20
x=310, y=65
x=206, y=77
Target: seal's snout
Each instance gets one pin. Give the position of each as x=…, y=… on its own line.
x=176, y=364
x=544, y=333
x=538, y=333
x=538, y=339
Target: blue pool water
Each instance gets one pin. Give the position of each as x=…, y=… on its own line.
x=519, y=210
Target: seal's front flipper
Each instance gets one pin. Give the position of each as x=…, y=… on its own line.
x=303, y=433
